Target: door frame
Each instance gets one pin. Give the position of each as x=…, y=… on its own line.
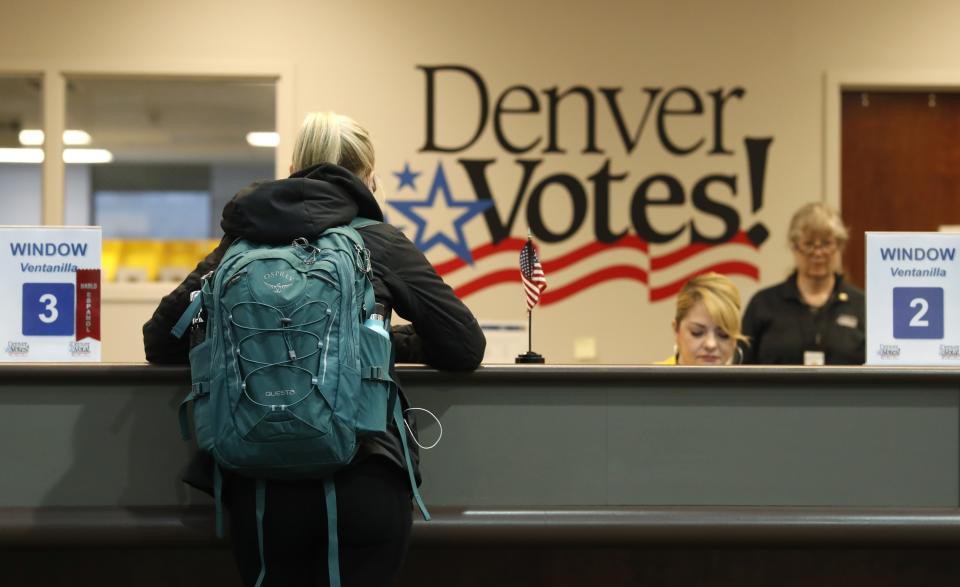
x=836, y=82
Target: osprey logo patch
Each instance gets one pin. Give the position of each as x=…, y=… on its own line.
x=278, y=280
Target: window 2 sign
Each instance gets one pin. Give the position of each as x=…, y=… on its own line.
x=910, y=275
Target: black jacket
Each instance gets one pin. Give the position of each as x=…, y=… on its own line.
x=442, y=332
x=781, y=326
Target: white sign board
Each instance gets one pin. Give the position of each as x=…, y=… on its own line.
x=505, y=340
x=913, y=286
x=50, y=293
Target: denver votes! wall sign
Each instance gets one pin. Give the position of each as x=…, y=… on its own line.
x=50, y=297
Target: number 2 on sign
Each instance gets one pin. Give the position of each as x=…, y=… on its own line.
x=918, y=321
x=50, y=312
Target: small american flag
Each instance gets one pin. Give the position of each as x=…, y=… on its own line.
x=531, y=274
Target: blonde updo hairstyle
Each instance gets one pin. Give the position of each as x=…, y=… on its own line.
x=720, y=298
x=328, y=137
x=817, y=219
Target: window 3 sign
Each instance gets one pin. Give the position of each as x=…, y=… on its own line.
x=50, y=297
x=910, y=277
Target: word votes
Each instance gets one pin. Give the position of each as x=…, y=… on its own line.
x=647, y=194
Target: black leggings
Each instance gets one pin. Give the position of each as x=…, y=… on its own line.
x=374, y=518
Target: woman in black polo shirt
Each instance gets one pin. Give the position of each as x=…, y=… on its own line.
x=814, y=317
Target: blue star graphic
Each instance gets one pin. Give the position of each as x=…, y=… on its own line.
x=425, y=241
x=406, y=177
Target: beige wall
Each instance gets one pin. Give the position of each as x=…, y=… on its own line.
x=361, y=58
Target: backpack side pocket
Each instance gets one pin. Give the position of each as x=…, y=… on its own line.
x=377, y=388
x=199, y=396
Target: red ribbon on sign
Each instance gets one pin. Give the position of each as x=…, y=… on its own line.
x=88, y=304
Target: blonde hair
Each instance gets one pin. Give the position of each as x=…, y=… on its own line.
x=328, y=137
x=719, y=296
x=814, y=219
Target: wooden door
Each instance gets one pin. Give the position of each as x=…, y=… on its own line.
x=900, y=165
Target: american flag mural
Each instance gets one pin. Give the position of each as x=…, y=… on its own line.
x=592, y=264
x=436, y=221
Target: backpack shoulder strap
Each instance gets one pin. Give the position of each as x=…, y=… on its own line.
x=402, y=429
x=196, y=303
x=237, y=247
x=360, y=222
x=188, y=315
x=350, y=230
x=362, y=258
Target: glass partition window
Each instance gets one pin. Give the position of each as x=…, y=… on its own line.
x=153, y=214
x=20, y=172
x=166, y=155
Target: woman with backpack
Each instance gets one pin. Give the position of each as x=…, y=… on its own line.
x=331, y=184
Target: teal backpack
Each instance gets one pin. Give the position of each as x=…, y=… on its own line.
x=287, y=378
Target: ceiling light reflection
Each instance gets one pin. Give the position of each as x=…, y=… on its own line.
x=263, y=139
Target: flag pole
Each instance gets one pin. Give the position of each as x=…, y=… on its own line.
x=530, y=357
x=529, y=331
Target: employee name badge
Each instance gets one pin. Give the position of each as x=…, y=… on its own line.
x=50, y=297
x=910, y=276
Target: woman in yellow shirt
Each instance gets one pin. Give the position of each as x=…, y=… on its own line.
x=707, y=322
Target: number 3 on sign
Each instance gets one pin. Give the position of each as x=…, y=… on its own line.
x=50, y=314
x=918, y=312
x=48, y=309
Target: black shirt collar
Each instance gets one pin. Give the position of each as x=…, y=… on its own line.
x=790, y=291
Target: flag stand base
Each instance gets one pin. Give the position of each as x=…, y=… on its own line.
x=530, y=357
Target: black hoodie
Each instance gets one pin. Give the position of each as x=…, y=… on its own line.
x=442, y=333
